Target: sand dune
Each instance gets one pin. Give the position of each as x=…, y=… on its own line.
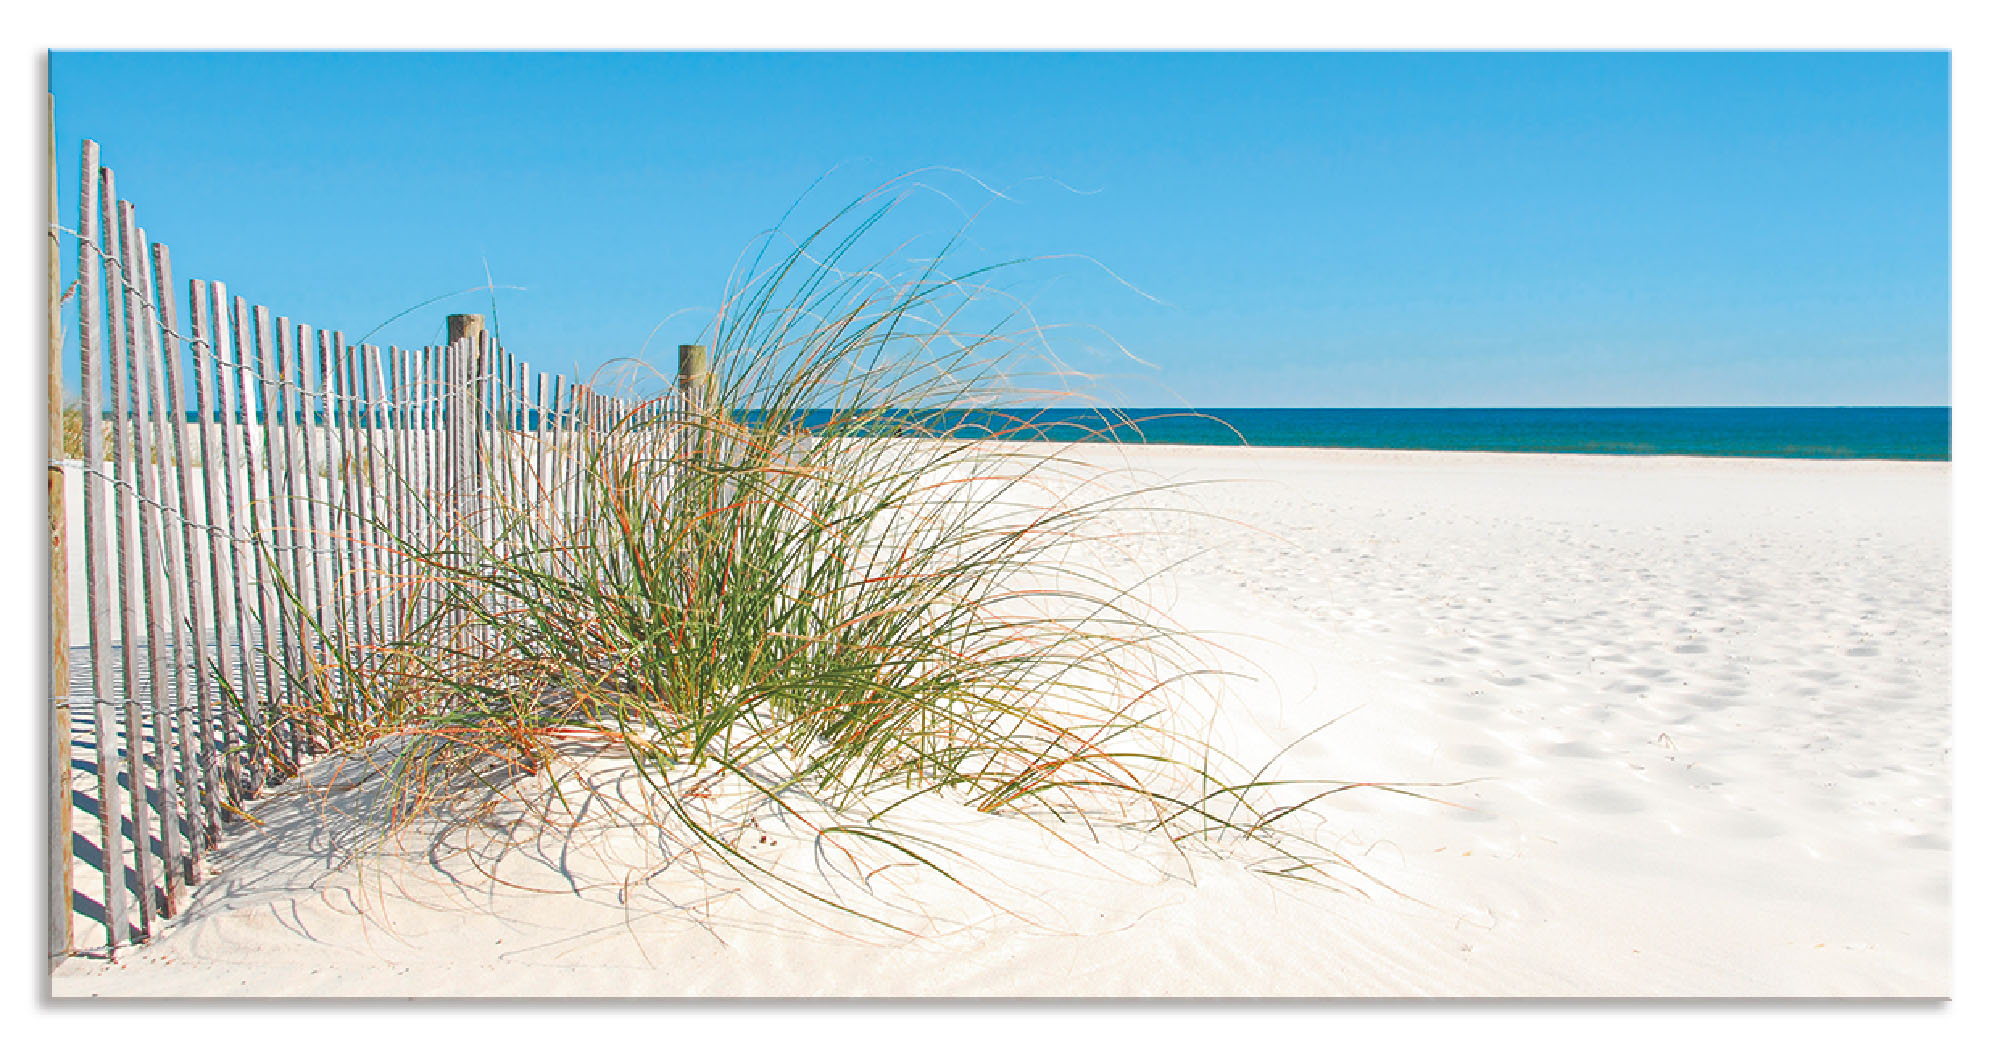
x=1690, y=722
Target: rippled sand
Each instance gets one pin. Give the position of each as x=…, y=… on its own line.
x=1694, y=714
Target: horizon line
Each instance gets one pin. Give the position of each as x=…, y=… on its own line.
x=1471, y=407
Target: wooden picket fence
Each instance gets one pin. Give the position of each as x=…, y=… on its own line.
x=252, y=491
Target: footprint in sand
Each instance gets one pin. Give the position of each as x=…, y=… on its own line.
x=1746, y=825
x=1608, y=801
x=1478, y=754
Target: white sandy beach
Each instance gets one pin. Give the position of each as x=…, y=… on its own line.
x=1696, y=714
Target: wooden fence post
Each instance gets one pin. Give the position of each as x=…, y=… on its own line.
x=462, y=338
x=62, y=890
x=465, y=348
x=696, y=389
x=694, y=378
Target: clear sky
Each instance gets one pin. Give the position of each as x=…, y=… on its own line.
x=1263, y=229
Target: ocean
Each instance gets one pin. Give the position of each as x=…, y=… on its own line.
x=1913, y=433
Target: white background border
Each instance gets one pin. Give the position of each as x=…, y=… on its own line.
x=1037, y=24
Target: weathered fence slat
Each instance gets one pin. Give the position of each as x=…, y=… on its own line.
x=374, y=458
x=298, y=533
x=332, y=432
x=543, y=448
x=395, y=488
x=572, y=459
x=499, y=387
x=418, y=491
x=350, y=505
x=442, y=506
x=514, y=422
x=97, y=544
x=304, y=561
x=356, y=370
x=257, y=496
x=573, y=421
x=410, y=370
x=163, y=642
x=266, y=468
x=242, y=712
x=289, y=531
x=197, y=732
x=312, y=460
x=173, y=521
x=131, y=593
x=411, y=364
x=212, y=408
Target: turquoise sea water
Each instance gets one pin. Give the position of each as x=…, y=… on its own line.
x=1921, y=433
x=1914, y=433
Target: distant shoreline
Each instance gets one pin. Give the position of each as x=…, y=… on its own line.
x=1893, y=433
x=1913, y=434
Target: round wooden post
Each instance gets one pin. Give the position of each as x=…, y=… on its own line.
x=694, y=391
x=464, y=333
x=61, y=888
x=697, y=385
x=464, y=326
x=694, y=380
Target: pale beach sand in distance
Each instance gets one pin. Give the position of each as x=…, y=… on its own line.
x=1699, y=712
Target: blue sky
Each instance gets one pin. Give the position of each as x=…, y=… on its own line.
x=1263, y=229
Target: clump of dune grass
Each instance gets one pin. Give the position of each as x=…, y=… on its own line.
x=839, y=579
